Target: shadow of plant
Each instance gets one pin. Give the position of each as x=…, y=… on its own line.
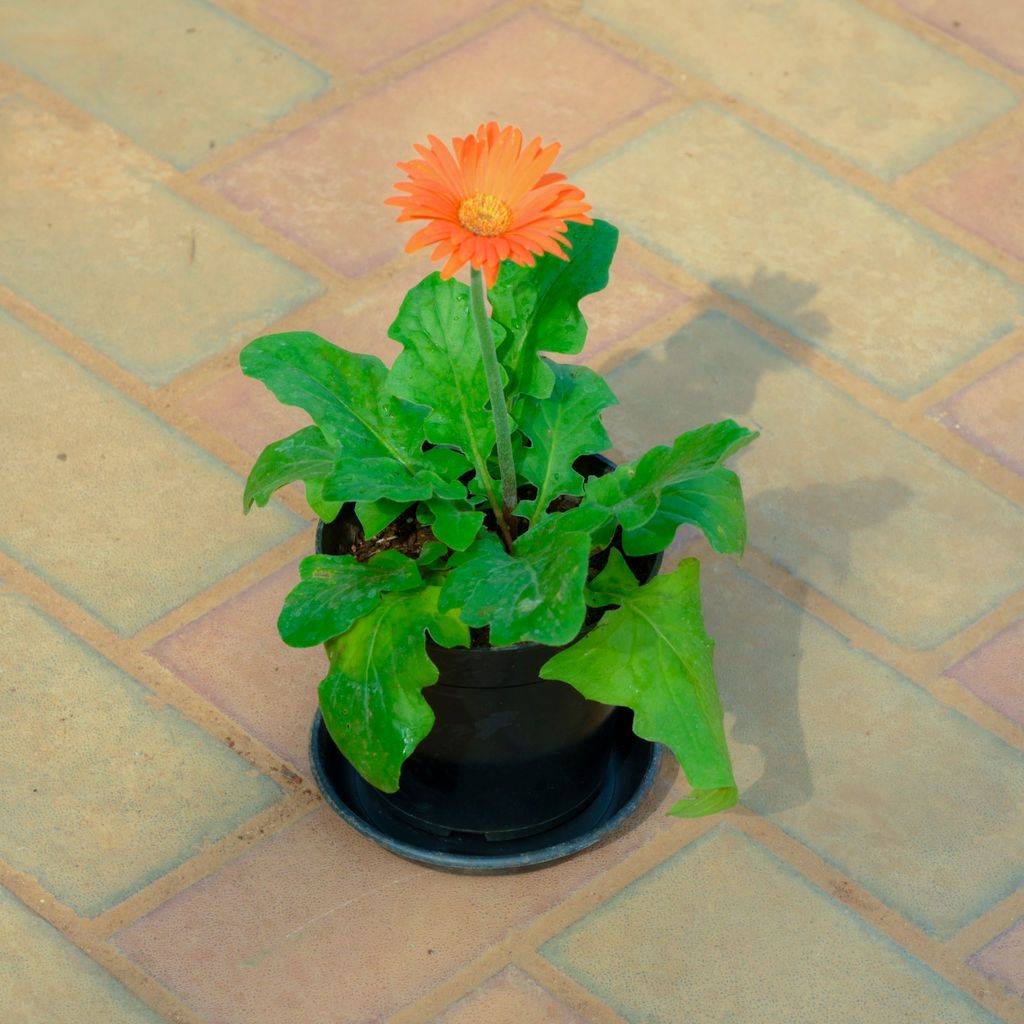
x=663, y=393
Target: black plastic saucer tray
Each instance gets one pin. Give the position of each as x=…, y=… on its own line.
x=631, y=773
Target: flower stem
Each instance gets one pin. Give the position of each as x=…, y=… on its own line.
x=499, y=410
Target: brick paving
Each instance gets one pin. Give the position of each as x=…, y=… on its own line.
x=823, y=237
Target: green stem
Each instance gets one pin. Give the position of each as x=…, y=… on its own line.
x=499, y=410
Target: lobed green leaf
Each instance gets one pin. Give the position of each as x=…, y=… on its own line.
x=666, y=487
x=652, y=654
x=372, y=699
x=535, y=593
x=441, y=369
x=538, y=306
x=561, y=428
x=335, y=590
x=378, y=438
x=304, y=455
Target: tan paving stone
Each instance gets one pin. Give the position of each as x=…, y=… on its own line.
x=178, y=76
x=990, y=413
x=112, y=507
x=319, y=918
x=105, y=790
x=986, y=195
x=235, y=659
x=367, y=35
x=511, y=997
x=876, y=94
x=993, y=671
x=908, y=797
x=150, y=280
x=325, y=184
x=43, y=977
x=994, y=28
x=881, y=524
x=833, y=266
x=723, y=931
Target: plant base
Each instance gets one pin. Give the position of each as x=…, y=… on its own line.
x=631, y=773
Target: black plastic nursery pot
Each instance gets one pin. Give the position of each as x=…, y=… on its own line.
x=517, y=771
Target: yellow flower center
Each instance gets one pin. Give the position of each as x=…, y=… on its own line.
x=485, y=215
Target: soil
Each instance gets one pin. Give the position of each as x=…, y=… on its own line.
x=405, y=534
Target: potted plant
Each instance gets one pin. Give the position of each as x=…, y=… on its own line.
x=469, y=528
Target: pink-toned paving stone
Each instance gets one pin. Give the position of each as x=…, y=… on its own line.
x=987, y=196
x=511, y=997
x=990, y=413
x=366, y=35
x=233, y=657
x=361, y=323
x=243, y=410
x=633, y=299
x=324, y=184
x=1003, y=959
x=995, y=28
x=994, y=671
x=319, y=923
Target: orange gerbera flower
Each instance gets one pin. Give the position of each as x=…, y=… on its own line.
x=492, y=200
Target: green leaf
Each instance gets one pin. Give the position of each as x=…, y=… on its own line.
x=455, y=523
x=347, y=397
x=373, y=516
x=336, y=590
x=372, y=699
x=432, y=553
x=304, y=455
x=441, y=367
x=536, y=593
x=327, y=511
x=652, y=497
x=562, y=427
x=538, y=306
x=652, y=655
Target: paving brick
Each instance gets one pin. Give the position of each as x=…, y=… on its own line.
x=911, y=799
x=150, y=280
x=633, y=299
x=325, y=184
x=180, y=77
x=894, y=302
x=1003, y=959
x=319, y=918
x=234, y=658
x=993, y=671
x=878, y=522
x=112, y=507
x=989, y=413
x=876, y=94
x=987, y=195
x=106, y=790
x=367, y=35
x=39, y=968
x=723, y=931
x=994, y=28
x=511, y=997
x=243, y=410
